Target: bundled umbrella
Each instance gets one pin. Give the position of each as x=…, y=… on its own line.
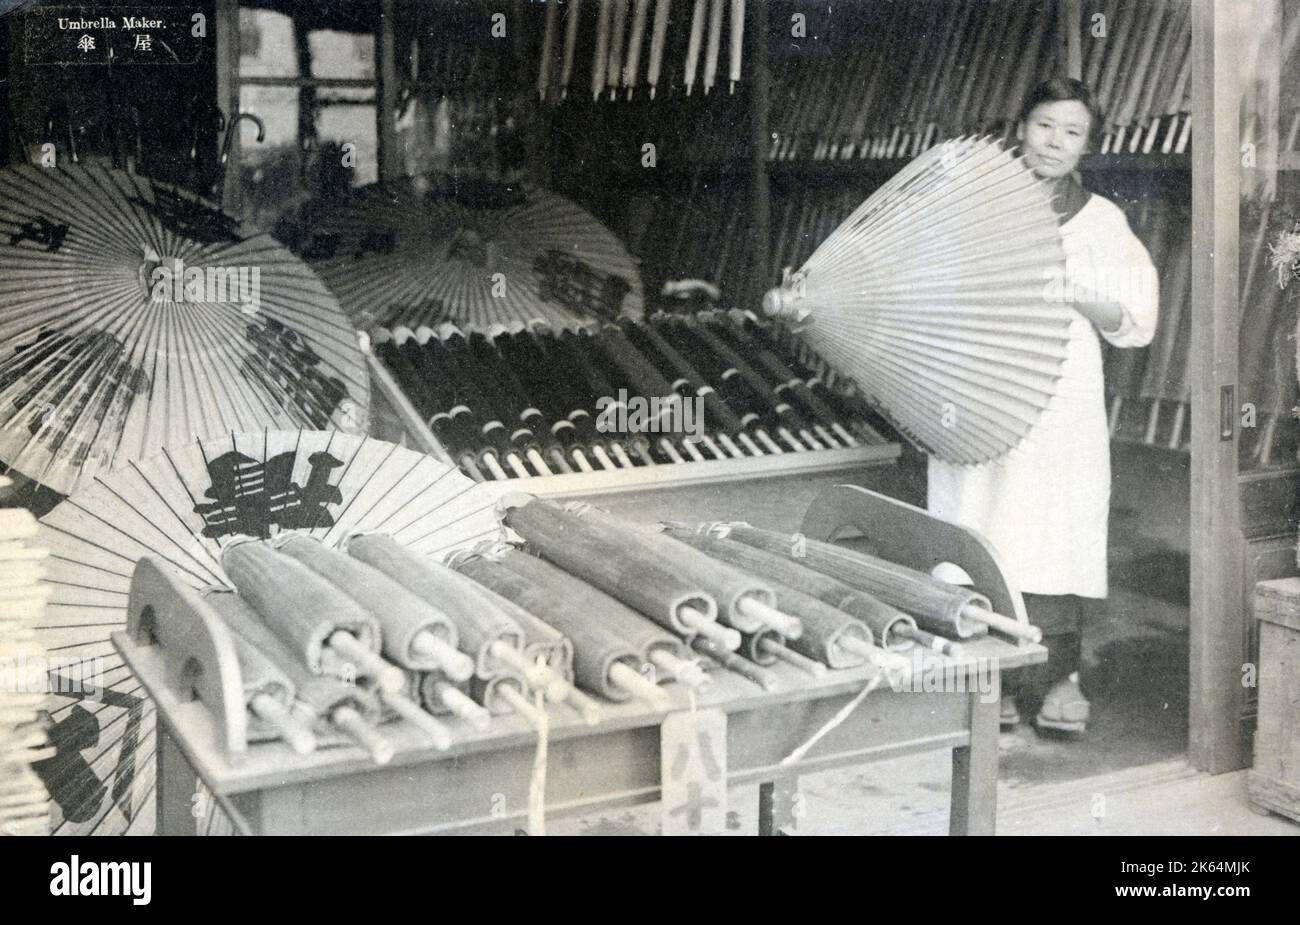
x=138, y=316
x=23, y=740
x=537, y=402
x=935, y=296
x=427, y=250
x=630, y=46
x=969, y=68
x=185, y=508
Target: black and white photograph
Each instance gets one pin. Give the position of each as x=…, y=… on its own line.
x=652, y=417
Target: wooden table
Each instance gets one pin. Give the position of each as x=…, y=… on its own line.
x=481, y=783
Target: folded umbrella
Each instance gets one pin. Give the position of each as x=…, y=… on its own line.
x=182, y=507
x=416, y=634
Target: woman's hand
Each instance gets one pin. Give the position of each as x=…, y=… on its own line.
x=1105, y=314
x=1106, y=291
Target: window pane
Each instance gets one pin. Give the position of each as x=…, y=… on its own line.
x=268, y=172
x=266, y=46
x=341, y=54
x=347, y=117
x=284, y=171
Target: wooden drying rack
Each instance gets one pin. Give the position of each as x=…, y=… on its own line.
x=480, y=784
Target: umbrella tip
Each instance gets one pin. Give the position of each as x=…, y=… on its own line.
x=458, y=557
x=402, y=334
x=234, y=542
x=511, y=500
x=772, y=302
x=781, y=302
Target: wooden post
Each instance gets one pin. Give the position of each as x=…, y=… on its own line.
x=176, y=784
x=1070, y=27
x=390, y=166
x=1217, y=549
x=9, y=149
x=308, y=137
x=760, y=205
x=227, y=66
x=973, y=807
x=777, y=814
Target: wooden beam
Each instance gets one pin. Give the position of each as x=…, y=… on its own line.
x=11, y=152
x=1217, y=547
x=362, y=83
x=308, y=137
x=760, y=202
x=227, y=65
x=1070, y=29
x=390, y=162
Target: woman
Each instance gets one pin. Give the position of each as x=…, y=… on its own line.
x=1045, y=504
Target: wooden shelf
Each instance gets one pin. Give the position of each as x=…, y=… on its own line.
x=1180, y=163
x=840, y=168
x=836, y=167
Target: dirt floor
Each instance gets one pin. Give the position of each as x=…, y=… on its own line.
x=1127, y=774
x=909, y=796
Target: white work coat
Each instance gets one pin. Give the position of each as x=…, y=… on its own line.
x=1045, y=504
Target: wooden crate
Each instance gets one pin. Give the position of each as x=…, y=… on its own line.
x=1274, y=784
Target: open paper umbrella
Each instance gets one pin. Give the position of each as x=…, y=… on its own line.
x=942, y=296
x=184, y=506
x=135, y=316
x=426, y=250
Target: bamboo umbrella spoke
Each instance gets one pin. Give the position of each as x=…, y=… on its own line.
x=931, y=295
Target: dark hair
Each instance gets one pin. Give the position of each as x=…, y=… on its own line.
x=1060, y=89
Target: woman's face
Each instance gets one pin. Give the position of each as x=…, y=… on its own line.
x=1054, y=137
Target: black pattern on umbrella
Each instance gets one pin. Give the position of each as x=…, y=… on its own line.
x=427, y=250
x=183, y=506
x=134, y=316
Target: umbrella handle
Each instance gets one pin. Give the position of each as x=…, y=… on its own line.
x=219, y=184
x=108, y=137
x=138, y=136
x=406, y=98
x=58, y=113
x=17, y=134
x=204, y=116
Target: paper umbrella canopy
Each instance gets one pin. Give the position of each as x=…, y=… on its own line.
x=935, y=296
x=183, y=506
x=135, y=316
x=425, y=250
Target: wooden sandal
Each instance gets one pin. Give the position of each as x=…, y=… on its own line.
x=1065, y=708
x=1009, y=713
